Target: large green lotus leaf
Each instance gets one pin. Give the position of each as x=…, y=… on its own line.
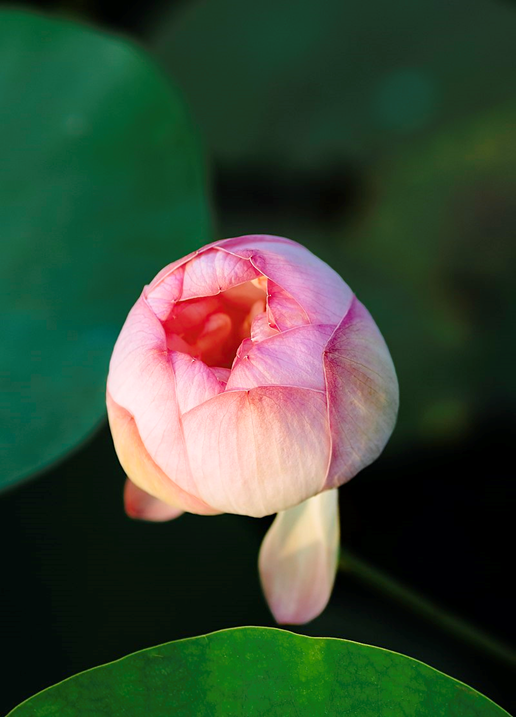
x=261, y=672
x=299, y=86
x=101, y=185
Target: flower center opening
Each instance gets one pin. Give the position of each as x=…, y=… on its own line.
x=213, y=328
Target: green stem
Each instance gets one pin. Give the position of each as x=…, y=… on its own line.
x=369, y=575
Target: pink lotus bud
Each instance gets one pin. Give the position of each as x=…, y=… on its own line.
x=249, y=379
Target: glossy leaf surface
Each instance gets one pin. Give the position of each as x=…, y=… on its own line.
x=261, y=671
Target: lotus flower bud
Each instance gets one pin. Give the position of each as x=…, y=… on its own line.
x=249, y=379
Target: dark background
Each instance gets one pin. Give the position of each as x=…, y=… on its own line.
x=415, y=209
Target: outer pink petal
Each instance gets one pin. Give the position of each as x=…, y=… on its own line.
x=195, y=382
x=317, y=292
x=204, y=273
x=292, y=358
x=141, y=505
x=222, y=373
x=141, y=469
x=165, y=290
x=254, y=241
x=214, y=271
x=260, y=451
x=163, y=276
x=261, y=328
x=298, y=559
x=362, y=392
x=284, y=311
x=142, y=381
x=317, y=288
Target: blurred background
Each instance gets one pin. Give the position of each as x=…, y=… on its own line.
x=381, y=136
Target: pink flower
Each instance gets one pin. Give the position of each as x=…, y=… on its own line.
x=249, y=379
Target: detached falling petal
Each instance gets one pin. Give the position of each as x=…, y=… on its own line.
x=298, y=559
x=249, y=379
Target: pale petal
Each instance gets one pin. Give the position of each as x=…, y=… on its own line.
x=195, y=382
x=320, y=292
x=292, y=358
x=261, y=328
x=213, y=271
x=222, y=373
x=258, y=451
x=141, y=505
x=284, y=311
x=298, y=559
x=362, y=391
x=165, y=290
x=141, y=380
x=141, y=469
x=205, y=272
x=157, y=294
x=249, y=242
x=315, y=286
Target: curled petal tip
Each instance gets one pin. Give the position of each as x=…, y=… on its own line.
x=298, y=559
